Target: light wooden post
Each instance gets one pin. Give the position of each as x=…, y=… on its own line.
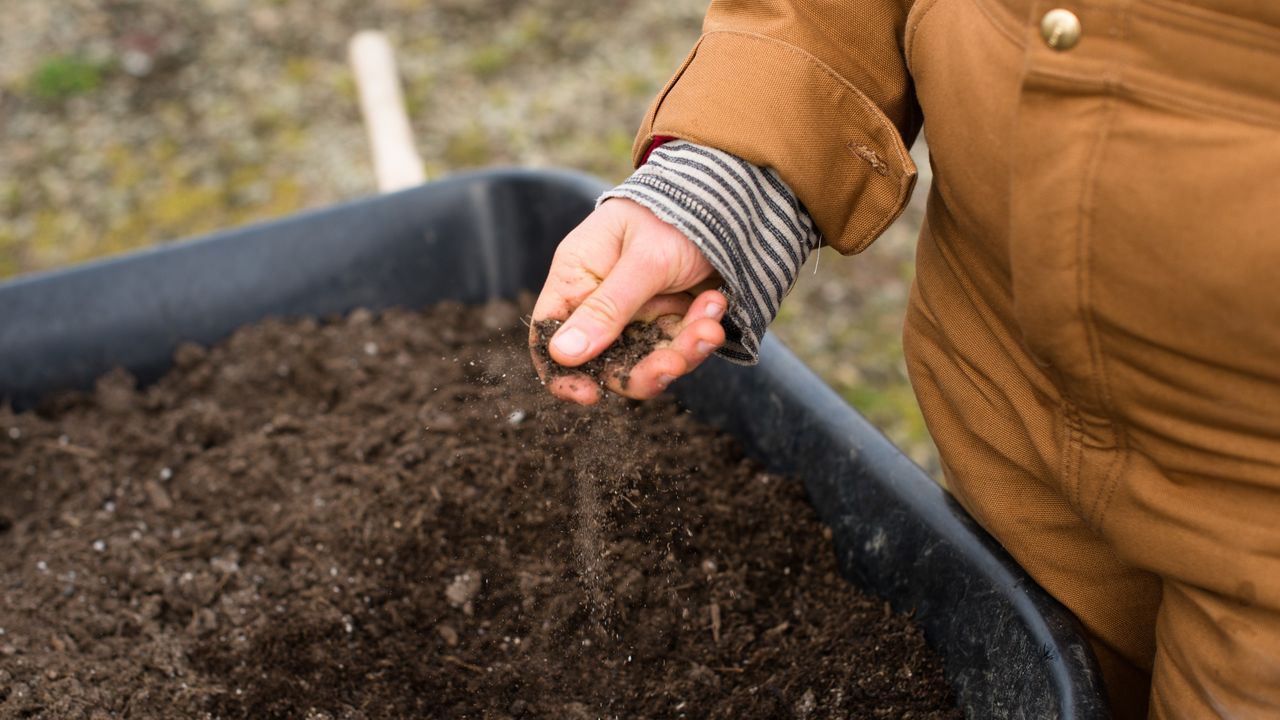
x=395, y=159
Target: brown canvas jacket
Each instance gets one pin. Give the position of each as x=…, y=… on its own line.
x=820, y=90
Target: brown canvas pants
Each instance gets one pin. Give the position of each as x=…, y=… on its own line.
x=1094, y=334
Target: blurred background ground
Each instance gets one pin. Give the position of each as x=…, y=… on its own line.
x=125, y=123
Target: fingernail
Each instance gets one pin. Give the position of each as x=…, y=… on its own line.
x=665, y=380
x=715, y=310
x=571, y=342
x=705, y=348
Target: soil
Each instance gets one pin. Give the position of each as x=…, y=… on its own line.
x=388, y=517
x=637, y=340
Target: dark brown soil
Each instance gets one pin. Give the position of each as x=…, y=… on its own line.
x=637, y=340
x=387, y=517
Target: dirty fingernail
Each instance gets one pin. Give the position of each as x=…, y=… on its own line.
x=571, y=342
x=715, y=310
x=705, y=348
x=665, y=380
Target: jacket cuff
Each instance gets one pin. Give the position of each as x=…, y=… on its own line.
x=744, y=220
x=777, y=106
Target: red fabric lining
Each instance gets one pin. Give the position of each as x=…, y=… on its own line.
x=658, y=141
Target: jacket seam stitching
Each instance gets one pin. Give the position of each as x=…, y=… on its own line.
x=1173, y=101
x=909, y=36
x=1070, y=455
x=651, y=116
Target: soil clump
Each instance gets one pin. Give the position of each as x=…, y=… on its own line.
x=637, y=340
x=388, y=517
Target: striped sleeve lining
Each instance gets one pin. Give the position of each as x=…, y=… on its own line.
x=743, y=218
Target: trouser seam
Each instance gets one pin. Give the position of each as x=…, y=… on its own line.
x=1072, y=455
x=1099, y=378
x=1122, y=456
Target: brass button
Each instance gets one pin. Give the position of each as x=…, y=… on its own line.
x=1060, y=29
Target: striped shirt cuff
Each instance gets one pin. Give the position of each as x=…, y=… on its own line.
x=744, y=219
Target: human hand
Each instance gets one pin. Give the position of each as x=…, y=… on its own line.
x=622, y=264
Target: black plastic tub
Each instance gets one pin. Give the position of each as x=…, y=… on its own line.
x=1009, y=649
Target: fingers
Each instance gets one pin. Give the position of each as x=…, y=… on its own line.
x=701, y=333
x=578, y=389
x=602, y=315
x=650, y=377
x=698, y=342
x=695, y=337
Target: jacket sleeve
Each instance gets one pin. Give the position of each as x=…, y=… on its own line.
x=817, y=90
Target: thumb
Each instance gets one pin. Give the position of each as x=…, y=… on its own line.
x=603, y=314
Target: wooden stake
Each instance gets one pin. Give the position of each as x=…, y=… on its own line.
x=395, y=160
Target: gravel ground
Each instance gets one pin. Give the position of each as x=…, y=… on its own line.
x=125, y=123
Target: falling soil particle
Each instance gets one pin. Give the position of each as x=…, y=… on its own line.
x=637, y=340
x=282, y=528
